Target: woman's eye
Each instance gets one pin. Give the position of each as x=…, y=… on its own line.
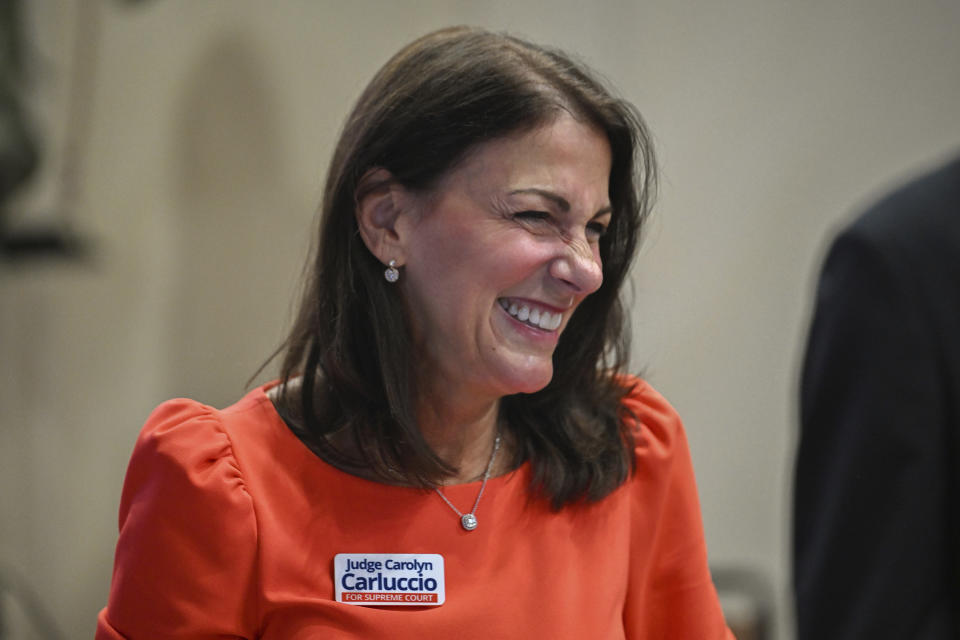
x=596, y=230
x=531, y=216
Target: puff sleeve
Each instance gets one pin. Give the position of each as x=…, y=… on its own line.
x=185, y=563
x=670, y=591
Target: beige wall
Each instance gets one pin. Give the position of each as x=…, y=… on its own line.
x=211, y=126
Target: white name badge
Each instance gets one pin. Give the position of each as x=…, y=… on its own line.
x=392, y=579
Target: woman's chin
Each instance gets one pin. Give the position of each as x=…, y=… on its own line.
x=528, y=379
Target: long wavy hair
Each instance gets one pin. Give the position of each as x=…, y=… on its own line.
x=350, y=348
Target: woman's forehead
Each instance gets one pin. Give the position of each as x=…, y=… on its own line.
x=564, y=158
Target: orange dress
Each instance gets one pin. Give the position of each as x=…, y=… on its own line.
x=229, y=526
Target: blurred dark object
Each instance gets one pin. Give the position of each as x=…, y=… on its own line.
x=21, y=153
x=876, y=524
x=747, y=601
x=42, y=242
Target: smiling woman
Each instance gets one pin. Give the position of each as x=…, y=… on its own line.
x=453, y=448
x=493, y=235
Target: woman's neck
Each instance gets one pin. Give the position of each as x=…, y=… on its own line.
x=461, y=432
x=459, y=428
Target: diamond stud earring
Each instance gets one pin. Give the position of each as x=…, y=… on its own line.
x=392, y=274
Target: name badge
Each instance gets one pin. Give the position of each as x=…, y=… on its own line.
x=392, y=579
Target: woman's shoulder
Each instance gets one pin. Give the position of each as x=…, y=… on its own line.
x=184, y=428
x=186, y=441
x=656, y=427
x=646, y=410
x=180, y=432
x=185, y=511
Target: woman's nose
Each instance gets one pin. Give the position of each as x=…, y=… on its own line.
x=578, y=267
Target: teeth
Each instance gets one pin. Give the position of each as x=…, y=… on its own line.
x=549, y=321
x=542, y=319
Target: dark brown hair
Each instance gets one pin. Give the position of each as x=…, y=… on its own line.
x=434, y=101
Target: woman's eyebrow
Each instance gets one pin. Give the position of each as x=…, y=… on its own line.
x=558, y=200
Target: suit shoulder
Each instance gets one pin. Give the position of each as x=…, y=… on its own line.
x=920, y=218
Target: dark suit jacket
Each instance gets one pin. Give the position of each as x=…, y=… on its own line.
x=876, y=510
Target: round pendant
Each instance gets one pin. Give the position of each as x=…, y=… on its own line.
x=468, y=521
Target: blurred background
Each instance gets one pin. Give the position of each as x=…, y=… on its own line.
x=163, y=160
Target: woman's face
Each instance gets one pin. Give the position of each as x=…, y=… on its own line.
x=501, y=253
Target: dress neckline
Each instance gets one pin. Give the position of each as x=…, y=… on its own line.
x=259, y=397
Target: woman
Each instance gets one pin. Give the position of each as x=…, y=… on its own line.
x=452, y=450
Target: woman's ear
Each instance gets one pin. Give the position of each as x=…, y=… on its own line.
x=380, y=215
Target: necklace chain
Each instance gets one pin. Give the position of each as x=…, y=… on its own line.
x=469, y=520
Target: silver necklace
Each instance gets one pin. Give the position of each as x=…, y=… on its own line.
x=469, y=520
